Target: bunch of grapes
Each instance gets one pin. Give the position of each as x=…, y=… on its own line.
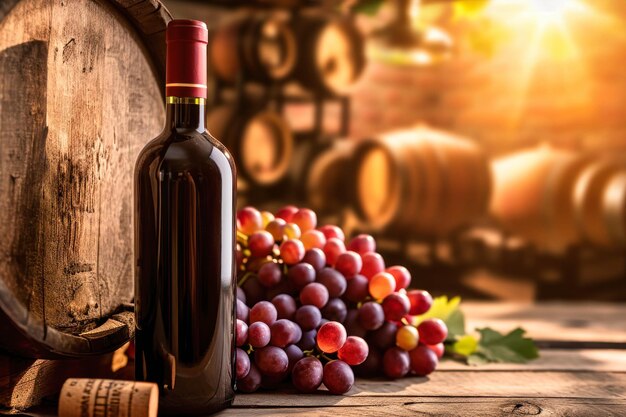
x=315, y=309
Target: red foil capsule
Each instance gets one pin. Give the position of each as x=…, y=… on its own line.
x=186, y=63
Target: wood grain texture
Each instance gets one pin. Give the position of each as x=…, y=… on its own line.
x=79, y=97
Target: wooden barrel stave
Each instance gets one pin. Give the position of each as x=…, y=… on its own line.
x=67, y=162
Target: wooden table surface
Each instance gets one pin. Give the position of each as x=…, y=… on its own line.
x=581, y=372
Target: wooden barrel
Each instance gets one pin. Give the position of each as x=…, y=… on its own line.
x=330, y=179
x=598, y=203
x=421, y=181
x=533, y=193
x=259, y=140
x=331, y=55
x=260, y=47
x=80, y=94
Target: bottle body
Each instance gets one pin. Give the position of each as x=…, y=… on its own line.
x=185, y=282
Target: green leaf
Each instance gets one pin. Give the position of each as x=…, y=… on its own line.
x=476, y=359
x=449, y=312
x=368, y=7
x=465, y=346
x=512, y=347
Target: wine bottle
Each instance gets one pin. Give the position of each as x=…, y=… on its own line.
x=185, y=278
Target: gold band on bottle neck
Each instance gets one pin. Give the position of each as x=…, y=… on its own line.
x=184, y=100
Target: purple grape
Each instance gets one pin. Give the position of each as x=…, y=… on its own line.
x=352, y=325
x=333, y=280
x=263, y=311
x=300, y=275
x=314, y=294
x=396, y=362
x=338, y=377
x=384, y=337
x=371, y=366
x=308, y=317
x=335, y=310
x=423, y=360
x=254, y=290
x=308, y=340
x=371, y=315
x=259, y=334
x=269, y=275
x=316, y=258
x=243, y=312
x=241, y=332
x=285, y=306
x=357, y=290
x=251, y=382
x=307, y=374
x=242, y=363
x=241, y=295
x=271, y=361
x=284, y=332
x=294, y=353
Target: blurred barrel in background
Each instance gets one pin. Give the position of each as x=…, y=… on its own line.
x=261, y=46
x=80, y=94
x=614, y=208
x=259, y=140
x=331, y=54
x=420, y=181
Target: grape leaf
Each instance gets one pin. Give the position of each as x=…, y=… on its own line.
x=465, y=345
x=511, y=347
x=368, y=7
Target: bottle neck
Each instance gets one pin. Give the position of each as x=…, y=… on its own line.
x=185, y=113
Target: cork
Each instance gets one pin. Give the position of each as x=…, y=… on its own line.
x=110, y=398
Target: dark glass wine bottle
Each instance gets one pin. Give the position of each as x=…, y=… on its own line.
x=184, y=244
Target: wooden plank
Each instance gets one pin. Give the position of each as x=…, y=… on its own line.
x=599, y=360
x=484, y=407
x=554, y=321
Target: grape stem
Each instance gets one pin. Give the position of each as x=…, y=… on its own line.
x=242, y=238
x=245, y=277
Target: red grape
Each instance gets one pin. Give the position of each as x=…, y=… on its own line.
x=396, y=363
x=259, y=334
x=371, y=316
x=396, y=306
x=308, y=317
x=263, y=311
x=332, y=249
x=423, y=360
x=332, y=231
x=305, y=218
x=277, y=229
x=420, y=302
x=362, y=244
x=241, y=332
x=373, y=263
x=242, y=363
x=285, y=306
x=251, y=382
x=286, y=213
x=432, y=331
x=300, y=275
x=314, y=294
x=335, y=310
x=401, y=275
x=381, y=285
x=358, y=289
x=271, y=361
x=316, y=258
x=269, y=274
x=307, y=374
x=354, y=351
x=334, y=282
x=349, y=264
x=331, y=337
x=249, y=220
x=243, y=312
x=313, y=239
x=292, y=251
x=260, y=243
x=338, y=377
x=439, y=349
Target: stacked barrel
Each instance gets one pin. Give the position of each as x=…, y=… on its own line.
x=558, y=198
x=270, y=52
